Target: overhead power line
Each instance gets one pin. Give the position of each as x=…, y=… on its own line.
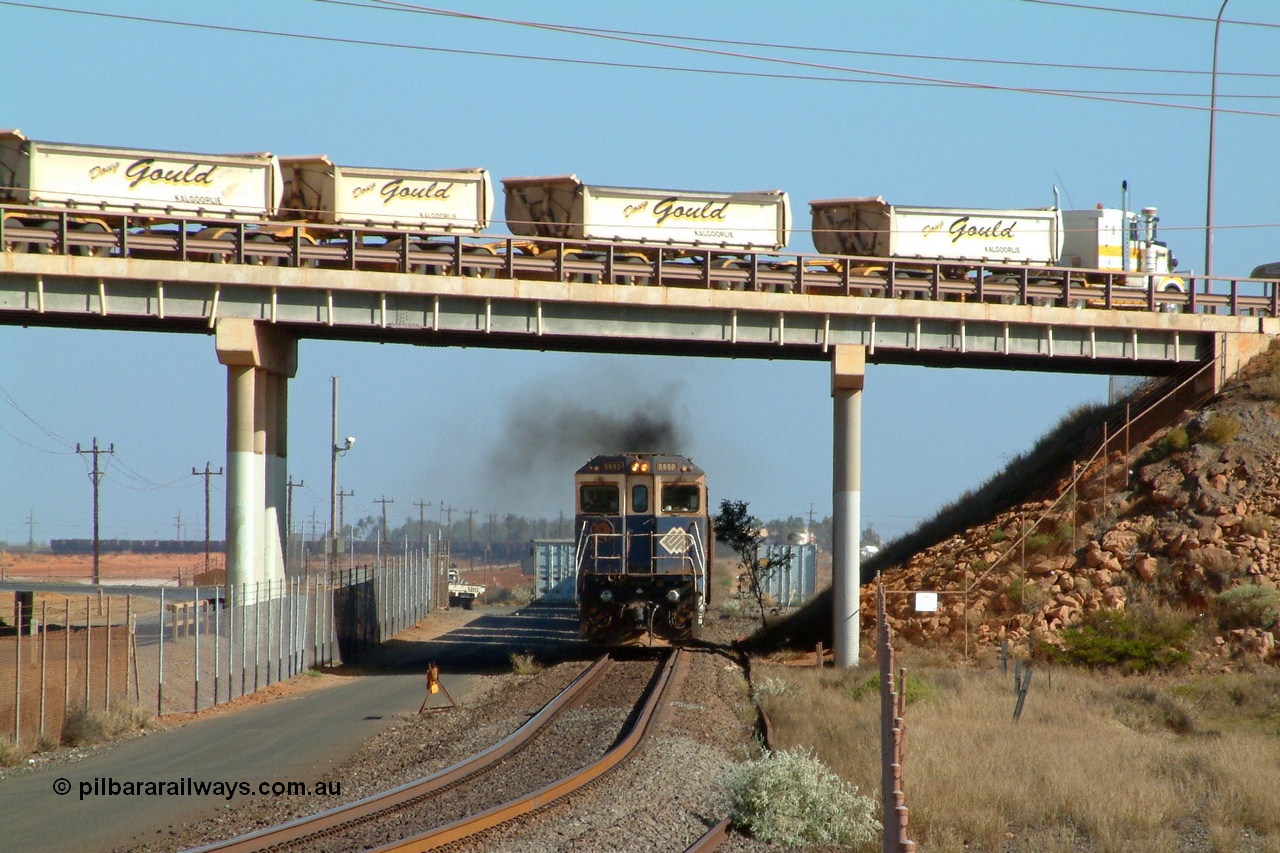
x=1089, y=7
x=401, y=6
x=876, y=77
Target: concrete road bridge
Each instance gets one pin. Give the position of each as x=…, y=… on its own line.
x=257, y=298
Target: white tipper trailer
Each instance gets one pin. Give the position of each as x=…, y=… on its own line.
x=458, y=201
x=563, y=207
x=1101, y=239
x=99, y=181
x=871, y=227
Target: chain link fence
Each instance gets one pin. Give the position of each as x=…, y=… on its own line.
x=174, y=649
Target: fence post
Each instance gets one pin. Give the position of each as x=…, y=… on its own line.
x=66, y=664
x=195, y=610
x=160, y=673
x=217, y=640
x=88, y=647
x=44, y=649
x=106, y=682
x=17, y=677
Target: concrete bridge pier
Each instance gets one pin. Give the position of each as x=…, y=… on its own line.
x=848, y=369
x=260, y=362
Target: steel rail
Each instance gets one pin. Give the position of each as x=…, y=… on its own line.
x=498, y=815
x=335, y=820
x=711, y=839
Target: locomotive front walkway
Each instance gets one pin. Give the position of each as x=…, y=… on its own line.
x=296, y=739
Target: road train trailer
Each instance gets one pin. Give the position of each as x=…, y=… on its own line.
x=1094, y=242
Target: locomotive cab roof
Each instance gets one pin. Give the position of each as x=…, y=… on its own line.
x=660, y=463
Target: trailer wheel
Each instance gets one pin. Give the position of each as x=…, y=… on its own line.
x=631, y=271
x=93, y=251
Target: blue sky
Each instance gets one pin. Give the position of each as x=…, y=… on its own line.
x=428, y=421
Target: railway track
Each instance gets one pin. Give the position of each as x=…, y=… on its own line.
x=393, y=813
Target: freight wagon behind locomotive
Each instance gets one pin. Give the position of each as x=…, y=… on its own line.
x=643, y=541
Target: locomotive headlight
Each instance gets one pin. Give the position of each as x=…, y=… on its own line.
x=639, y=466
x=673, y=595
x=606, y=595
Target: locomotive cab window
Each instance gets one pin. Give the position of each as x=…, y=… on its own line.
x=639, y=498
x=681, y=498
x=599, y=499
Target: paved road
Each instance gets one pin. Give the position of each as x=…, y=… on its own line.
x=294, y=739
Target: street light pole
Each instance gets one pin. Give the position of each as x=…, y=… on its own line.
x=333, y=475
x=335, y=533
x=1213, y=120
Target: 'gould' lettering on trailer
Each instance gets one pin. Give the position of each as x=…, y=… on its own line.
x=145, y=170
x=669, y=208
x=393, y=190
x=999, y=231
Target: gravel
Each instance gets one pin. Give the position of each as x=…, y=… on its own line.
x=663, y=800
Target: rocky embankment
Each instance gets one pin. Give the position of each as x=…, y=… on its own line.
x=1178, y=521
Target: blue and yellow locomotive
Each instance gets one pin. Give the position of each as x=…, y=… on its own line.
x=643, y=544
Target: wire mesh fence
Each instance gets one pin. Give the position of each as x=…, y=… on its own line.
x=177, y=649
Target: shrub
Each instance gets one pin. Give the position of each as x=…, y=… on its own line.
x=918, y=690
x=525, y=664
x=83, y=727
x=1173, y=441
x=791, y=798
x=515, y=596
x=1248, y=607
x=1265, y=388
x=1066, y=531
x=1135, y=641
x=10, y=753
x=998, y=535
x=1257, y=523
x=767, y=687
x=1037, y=542
x=1220, y=429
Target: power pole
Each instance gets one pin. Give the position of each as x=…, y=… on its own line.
x=96, y=478
x=384, y=502
x=471, y=550
x=421, y=523
x=342, y=514
x=206, y=473
x=288, y=515
x=448, y=511
x=31, y=531
x=177, y=523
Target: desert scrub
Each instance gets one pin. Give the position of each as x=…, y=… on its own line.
x=917, y=690
x=10, y=754
x=1136, y=641
x=515, y=596
x=769, y=687
x=83, y=727
x=792, y=798
x=1248, y=607
x=1219, y=429
x=525, y=664
x=1175, y=440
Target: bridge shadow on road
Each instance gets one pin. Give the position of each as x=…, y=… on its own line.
x=548, y=633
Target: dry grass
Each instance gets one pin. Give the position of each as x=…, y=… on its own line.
x=84, y=727
x=1095, y=758
x=525, y=664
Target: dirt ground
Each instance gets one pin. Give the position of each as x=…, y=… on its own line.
x=112, y=568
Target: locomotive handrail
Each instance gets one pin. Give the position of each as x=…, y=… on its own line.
x=84, y=231
x=626, y=539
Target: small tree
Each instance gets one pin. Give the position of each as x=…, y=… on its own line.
x=741, y=531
